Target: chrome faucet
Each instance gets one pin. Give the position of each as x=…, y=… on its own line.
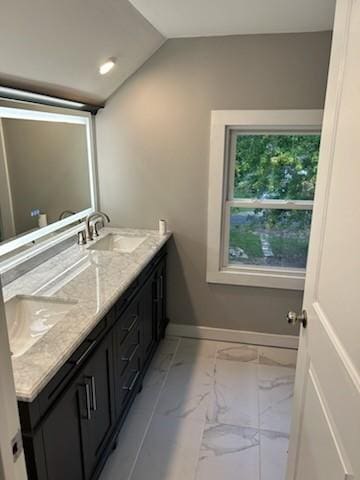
x=90, y=230
x=66, y=213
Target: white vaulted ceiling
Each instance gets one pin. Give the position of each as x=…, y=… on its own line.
x=193, y=18
x=56, y=46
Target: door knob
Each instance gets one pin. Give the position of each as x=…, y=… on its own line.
x=293, y=318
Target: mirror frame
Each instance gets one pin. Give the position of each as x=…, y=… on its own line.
x=31, y=111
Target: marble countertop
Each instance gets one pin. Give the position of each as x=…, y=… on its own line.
x=95, y=279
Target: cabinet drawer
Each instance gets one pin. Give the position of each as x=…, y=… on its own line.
x=129, y=349
x=128, y=323
x=128, y=381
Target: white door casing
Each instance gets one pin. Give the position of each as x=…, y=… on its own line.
x=9, y=418
x=325, y=435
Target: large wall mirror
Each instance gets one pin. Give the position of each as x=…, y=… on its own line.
x=47, y=172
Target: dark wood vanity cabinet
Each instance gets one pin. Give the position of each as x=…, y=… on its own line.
x=72, y=426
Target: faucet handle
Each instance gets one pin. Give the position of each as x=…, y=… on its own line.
x=81, y=237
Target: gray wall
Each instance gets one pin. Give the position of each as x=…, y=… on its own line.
x=153, y=150
x=48, y=167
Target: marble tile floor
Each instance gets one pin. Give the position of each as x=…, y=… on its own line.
x=208, y=410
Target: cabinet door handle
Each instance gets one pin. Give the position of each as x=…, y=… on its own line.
x=88, y=350
x=161, y=287
x=157, y=298
x=128, y=359
x=87, y=396
x=133, y=323
x=93, y=393
x=132, y=384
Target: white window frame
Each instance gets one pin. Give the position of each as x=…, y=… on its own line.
x=249, y=121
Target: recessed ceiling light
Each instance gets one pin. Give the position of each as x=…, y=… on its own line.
x=107, y=66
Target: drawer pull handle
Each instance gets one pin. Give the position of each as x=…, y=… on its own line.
x=88, y=350
x=132, y=384
x=87, y=396
x=161, y=287
x=128, y=359
x=93, y=393
x=93, y=388
x=157, y=292
x=133, y=323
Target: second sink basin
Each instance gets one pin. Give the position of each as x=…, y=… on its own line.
x=30, y=317
x=118, y=243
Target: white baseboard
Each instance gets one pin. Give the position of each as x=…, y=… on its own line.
x=235, y=336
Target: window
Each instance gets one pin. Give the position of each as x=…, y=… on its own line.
x=263, y=167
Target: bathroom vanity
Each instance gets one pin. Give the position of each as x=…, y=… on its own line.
x=85, y=305
x=77, y=382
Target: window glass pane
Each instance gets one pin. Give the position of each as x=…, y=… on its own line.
x=268, y=237
x=276, y=166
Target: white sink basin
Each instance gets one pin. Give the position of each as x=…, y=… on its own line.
x=118, y=243
x=29, y=318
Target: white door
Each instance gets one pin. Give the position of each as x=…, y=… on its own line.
x=11, y=468
x=325, y=436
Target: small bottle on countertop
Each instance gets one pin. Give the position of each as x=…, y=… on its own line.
x=162, y=227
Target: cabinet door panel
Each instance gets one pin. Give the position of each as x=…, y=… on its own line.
x=96, y=423
x=62, y=437
x=127, y=323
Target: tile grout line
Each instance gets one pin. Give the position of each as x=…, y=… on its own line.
x=271, y=430
x=199, y=450
x=206, y=413
x=153, y=411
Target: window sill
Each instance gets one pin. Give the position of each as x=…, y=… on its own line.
x=251, y=277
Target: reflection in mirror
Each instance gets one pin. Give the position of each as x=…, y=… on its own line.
x=47, y=174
